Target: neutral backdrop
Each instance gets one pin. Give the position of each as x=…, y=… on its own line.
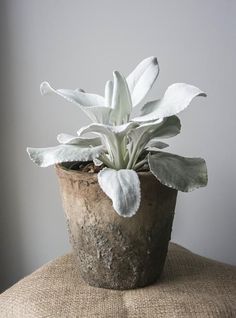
x=78, y=44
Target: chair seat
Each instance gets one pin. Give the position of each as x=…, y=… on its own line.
x=190, y=286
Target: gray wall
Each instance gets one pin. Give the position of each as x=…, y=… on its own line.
x=78, y=44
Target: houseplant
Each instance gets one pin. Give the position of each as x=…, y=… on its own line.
x=118, y=187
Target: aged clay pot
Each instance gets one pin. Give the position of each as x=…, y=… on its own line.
x=112, y=251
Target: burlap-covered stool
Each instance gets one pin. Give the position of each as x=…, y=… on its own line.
x=191, y=286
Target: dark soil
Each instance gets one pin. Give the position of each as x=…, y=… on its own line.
x=84, y=166
x=89, y=166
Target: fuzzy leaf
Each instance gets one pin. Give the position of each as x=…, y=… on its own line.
x=176, y=98
x=45, y=157
x=91, y=104
x=108, y=93
x=121, y=100
x=98, y=114
x=142, y=78
x=108, y=130
x=142, y=134
x=67, y=139
x=180, y=173
x=113, y=139
x=75, y=96
x=123, y=188
x=161, y=128
x=170, y=127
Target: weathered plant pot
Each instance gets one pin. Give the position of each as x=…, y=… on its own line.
x=112, y=251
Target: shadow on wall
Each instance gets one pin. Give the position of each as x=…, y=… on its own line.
x=11, y=249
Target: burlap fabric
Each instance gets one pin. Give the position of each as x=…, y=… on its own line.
x=191, y=286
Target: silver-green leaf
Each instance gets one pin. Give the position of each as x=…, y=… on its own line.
x=77, y=96
x=142, y=78
x=180, y=173
x=170, y=127
x=121, y=100
x=161, y=128
x=45, y=157
x=123, y=188
x=67, y=139
x=176, y=98
x=107, y=130
x=92, y=105
x=108, y=93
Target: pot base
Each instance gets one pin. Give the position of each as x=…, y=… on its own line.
x=108, y=259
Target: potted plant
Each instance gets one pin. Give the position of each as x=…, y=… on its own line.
x=118, y=187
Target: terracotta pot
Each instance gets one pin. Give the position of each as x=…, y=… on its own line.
x=112, y=251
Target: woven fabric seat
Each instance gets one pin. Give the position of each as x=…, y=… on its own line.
x=191, y=286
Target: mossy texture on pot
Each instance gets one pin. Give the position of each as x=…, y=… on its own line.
x=112, y=251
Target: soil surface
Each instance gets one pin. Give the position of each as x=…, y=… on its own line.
x=90, y=167
x=86, y=166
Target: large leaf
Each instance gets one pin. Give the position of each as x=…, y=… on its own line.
x=75, y=96
x=67, y=139
x=91, y=104
x=45, y=157
x=108, y=130
x=183, y=174
x=139, y=137
x=142, y=78
x=161, y=128
x=176, y=98
x=123, y=188
x=142, y=134
x=121, y=100
x=170, y=127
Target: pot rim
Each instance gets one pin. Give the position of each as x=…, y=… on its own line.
x=60, y=167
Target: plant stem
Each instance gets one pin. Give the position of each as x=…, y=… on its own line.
x=133, y=157
x=140, y=164
x=106, y=161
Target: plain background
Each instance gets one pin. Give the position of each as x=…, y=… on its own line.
x=78, y=44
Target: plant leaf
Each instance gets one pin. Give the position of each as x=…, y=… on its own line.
x=67, y=139
x=161, y=128
x=149, y=107
x=45, y=157
x=170, y=127
x=180, y=173
x=123, y=188
x=98, y=114
x=155, y=143
x=108, y=93
x=139, y=137
x=142, y=134
x=75, y=96
x=97, y=162
x=113, y=139
x=176, y=98
x=121, y=100
x=120, y=130
x=91, y=104
x=141, y=80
